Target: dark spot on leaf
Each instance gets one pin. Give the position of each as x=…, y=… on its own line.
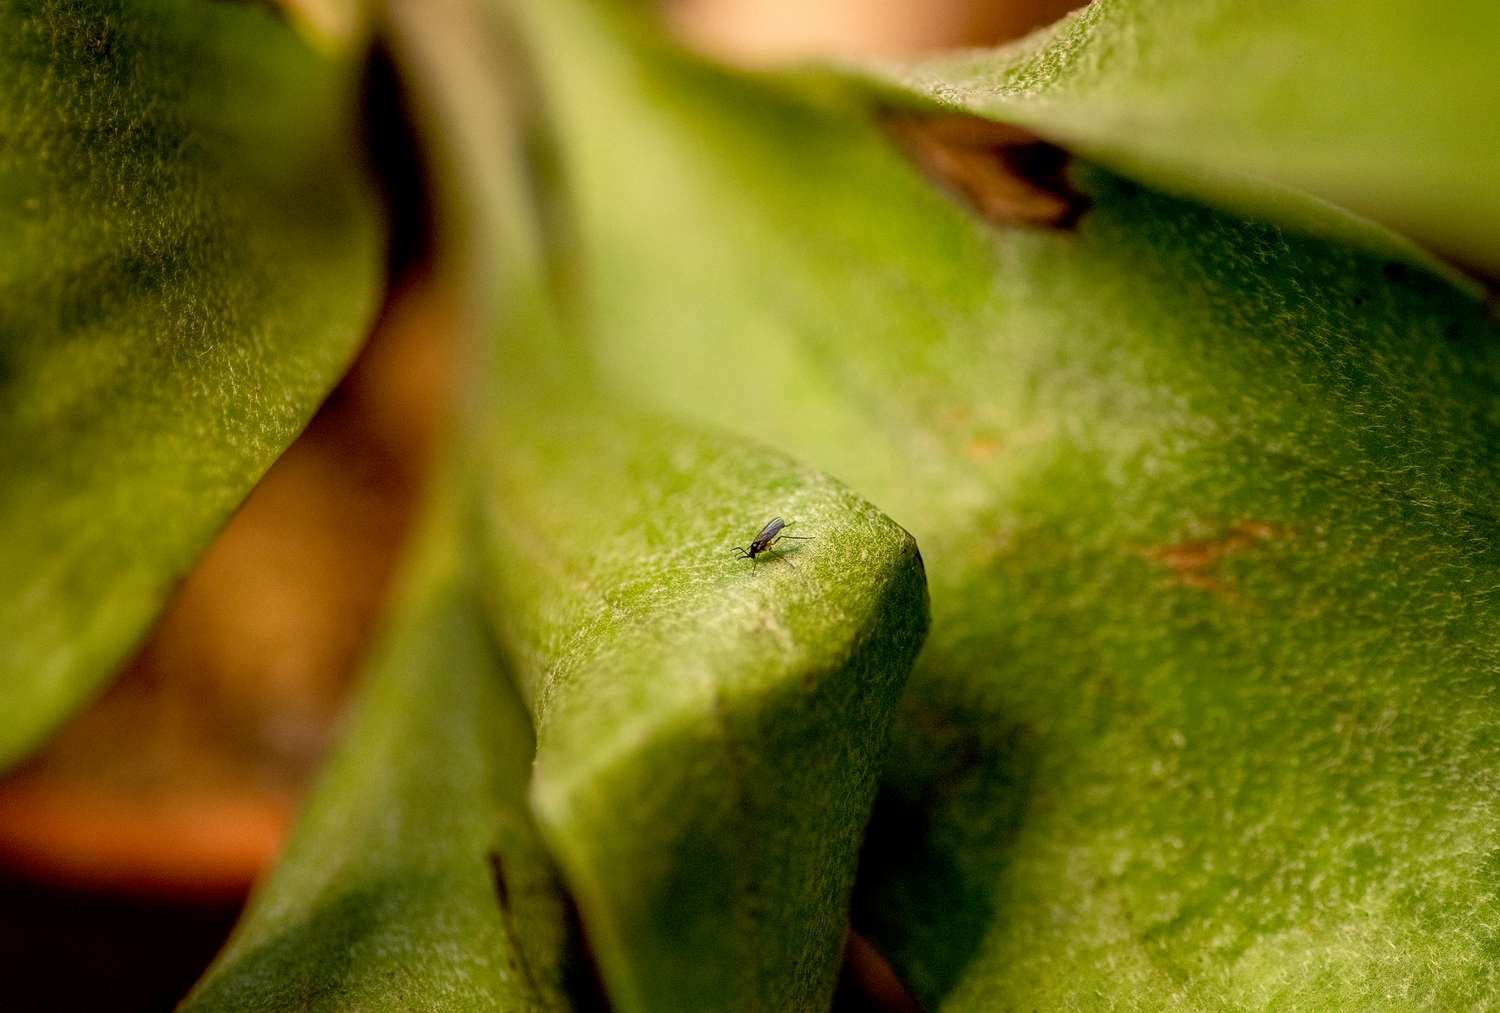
x=517, y=956
x=497, y=880
x=1008, y=175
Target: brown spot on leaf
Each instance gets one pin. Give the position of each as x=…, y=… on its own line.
x=982, y=447
x=1194, y=563
x=1009, y=175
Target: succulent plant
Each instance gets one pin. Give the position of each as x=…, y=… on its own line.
x=1163, y=333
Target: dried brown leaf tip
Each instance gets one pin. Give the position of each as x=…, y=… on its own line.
x=1009, y=175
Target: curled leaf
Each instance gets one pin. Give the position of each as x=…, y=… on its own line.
x=708, y=726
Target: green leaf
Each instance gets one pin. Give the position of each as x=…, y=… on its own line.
x=188, y=259
x=1206, y=717
x=1382, y=109
x=708, y=728
x=414, y=878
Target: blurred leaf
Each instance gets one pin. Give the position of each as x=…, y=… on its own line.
x=1384, y=109
x=188, y=260
x=414, y=878
x=1206, y=719
x=708, y=728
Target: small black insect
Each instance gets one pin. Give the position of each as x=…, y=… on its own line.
x=769, y=535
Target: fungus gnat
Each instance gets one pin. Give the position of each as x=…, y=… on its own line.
x=769, y=535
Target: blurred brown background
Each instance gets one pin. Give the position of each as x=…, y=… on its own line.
x=128, y=844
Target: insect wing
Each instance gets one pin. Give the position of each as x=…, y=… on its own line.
x=770, y=531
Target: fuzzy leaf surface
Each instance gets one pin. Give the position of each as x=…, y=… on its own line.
x=708, y=728
x=1206, y=718
x=189, y=258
